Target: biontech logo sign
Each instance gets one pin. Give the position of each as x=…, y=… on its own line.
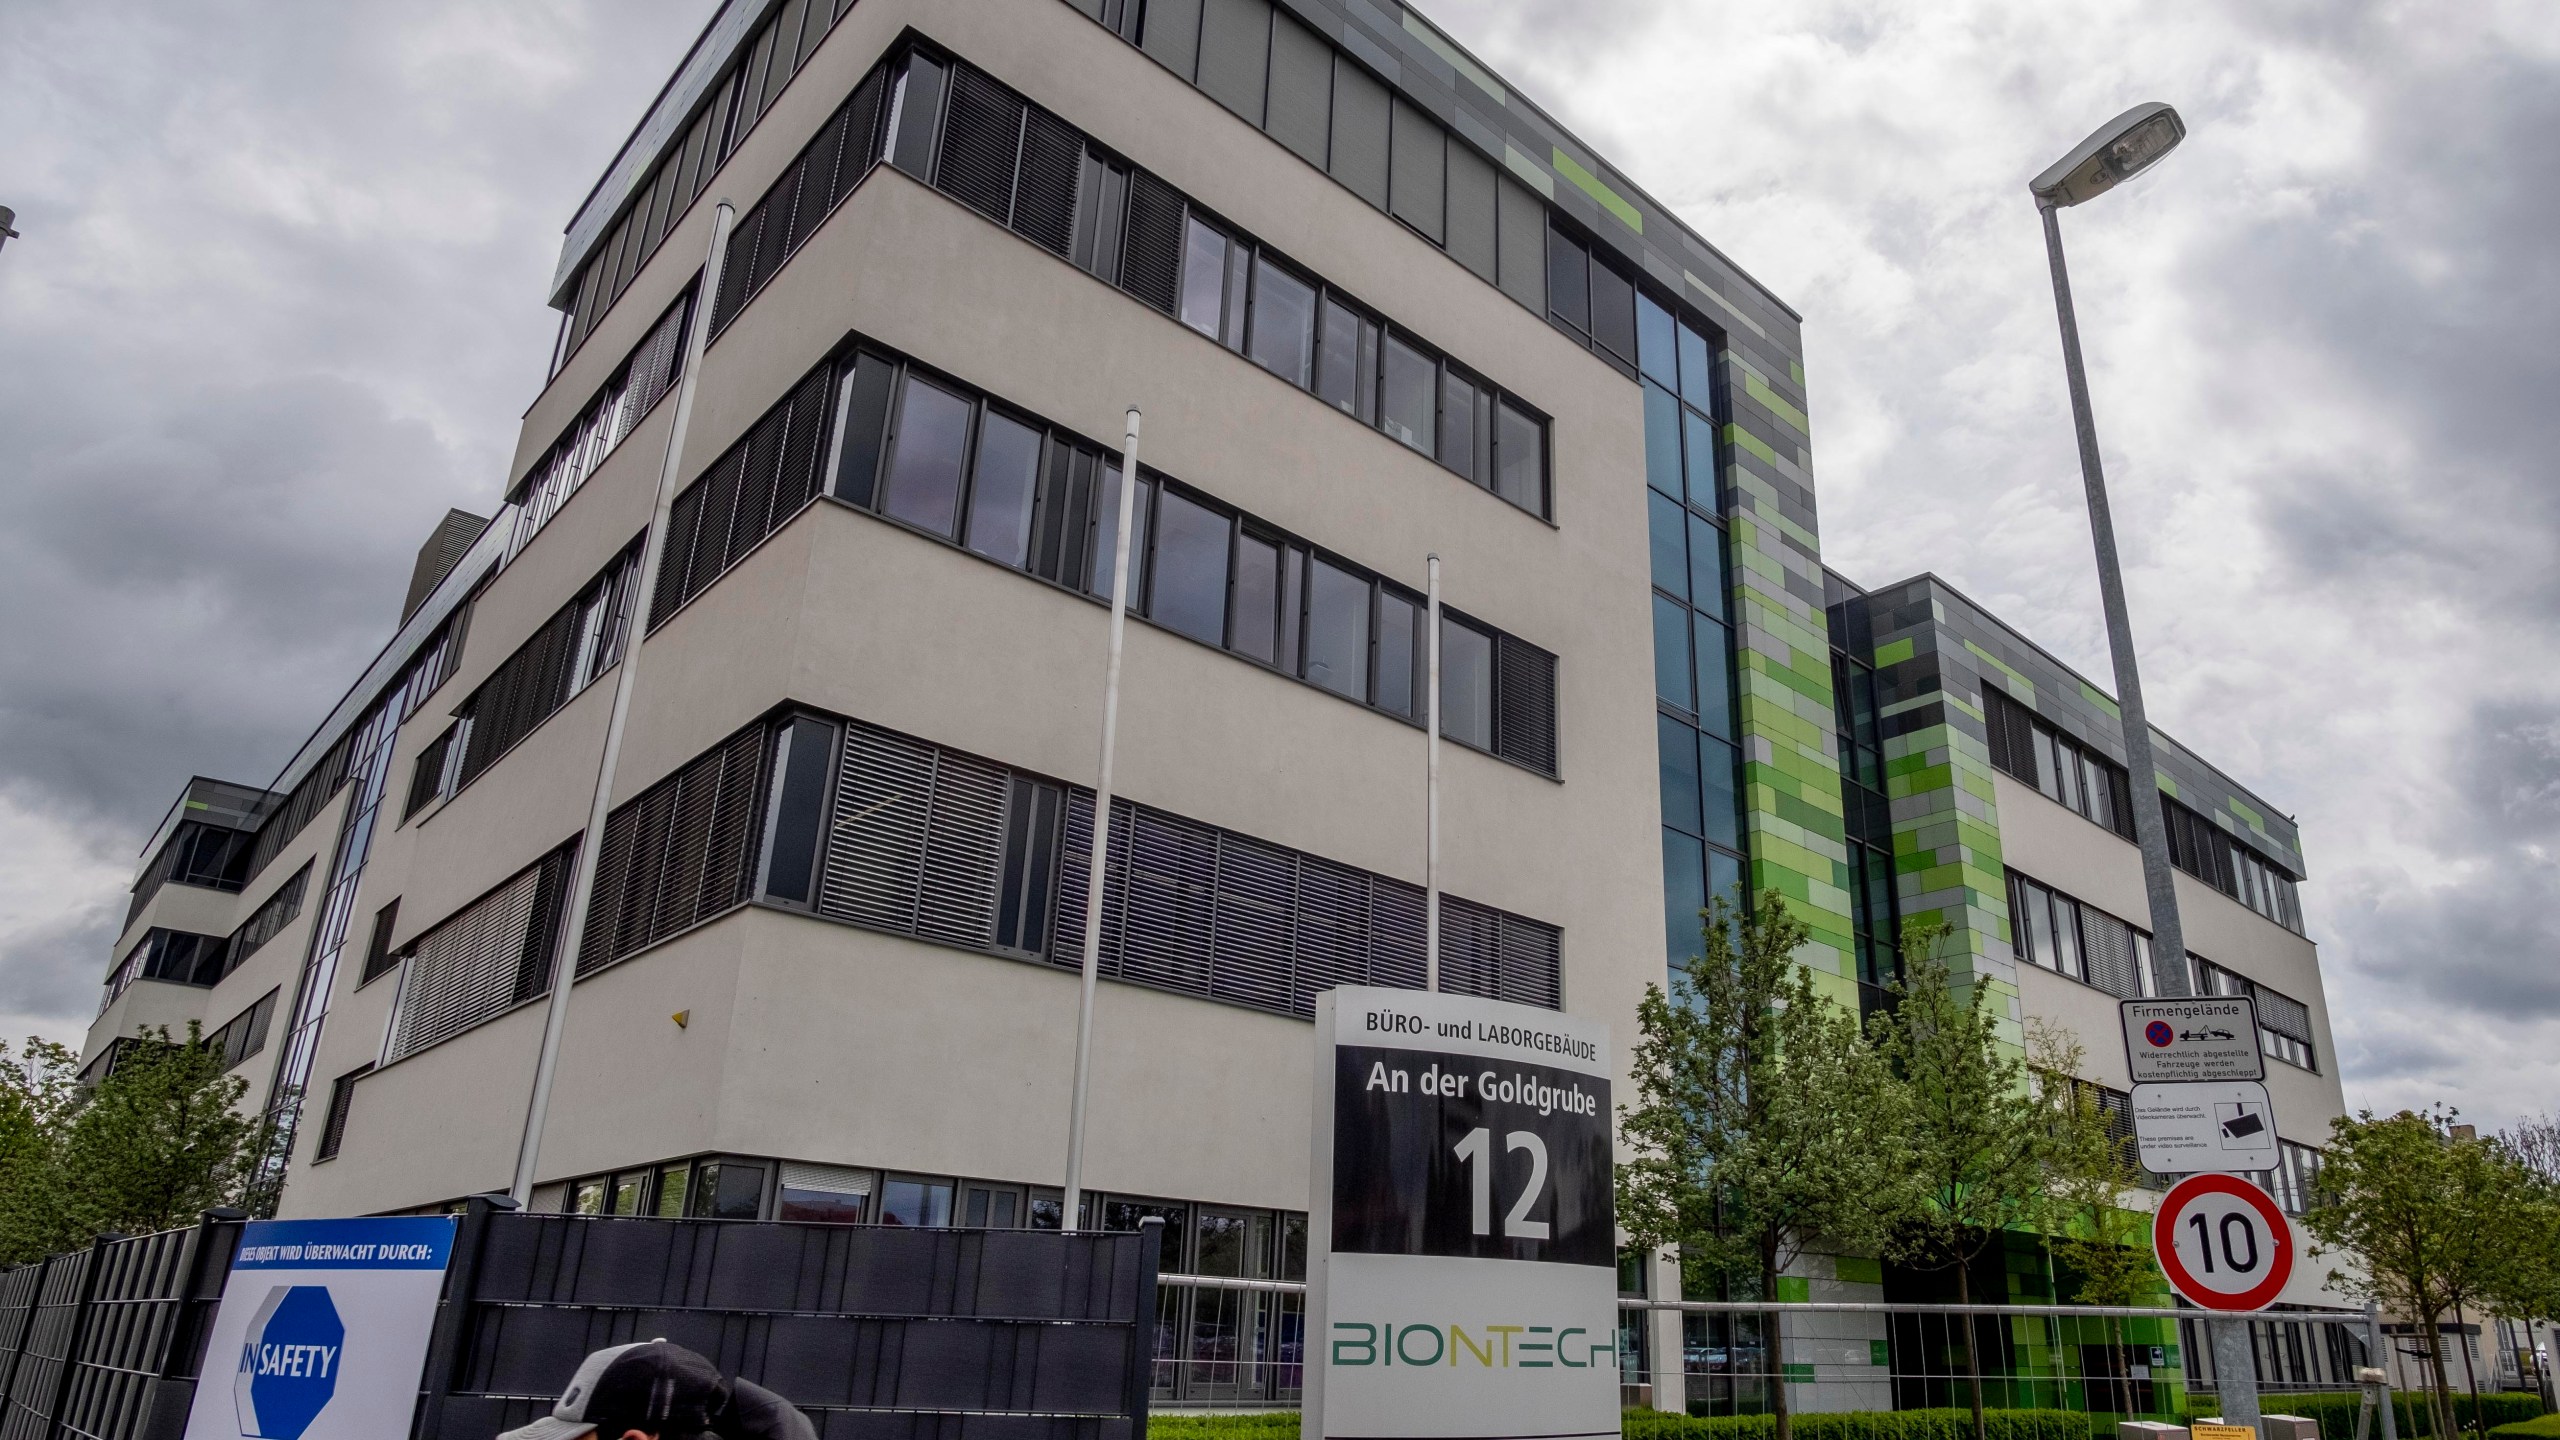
x=326, y=1322
x=1463, y=1267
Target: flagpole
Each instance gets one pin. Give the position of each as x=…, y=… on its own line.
x=1097, y=863
x=1431, y=789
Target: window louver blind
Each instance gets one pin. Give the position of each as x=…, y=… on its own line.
x=917, y=845
x=488, y=959
x=2106, y=947
x=679, y=853
x=1151, y=260
x=2283, y=1014
x=1044, y=193
x=801, y=198
x=1525, y=694
x=763, y=480
x=981, y=138
x=1204, y=911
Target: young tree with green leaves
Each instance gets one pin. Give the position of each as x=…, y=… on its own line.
x=2433, y=1217
x=39, y=1089
x=148, y=1147
x=160, y=1140
x=1978, y=1135
x=1763, y=1122
x=2088, y=1169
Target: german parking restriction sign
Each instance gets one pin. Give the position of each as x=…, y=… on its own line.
x=2203, y=1037
x=2223, y=1243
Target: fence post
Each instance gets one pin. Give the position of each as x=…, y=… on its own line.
x=26, y=1328
x=173, y=1390
x=1142, y=1350
x=453, y=1320
x=79, y=1331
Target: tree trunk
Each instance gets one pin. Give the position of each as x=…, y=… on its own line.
x=1972, y=1356
x=2440, y=1388
x=1773, y=1337
x=2123, y=1365
x=2470, y=1374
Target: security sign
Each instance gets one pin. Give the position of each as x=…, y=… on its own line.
x=323, y=1330
x=2223, y=1243
x=1462, y=1275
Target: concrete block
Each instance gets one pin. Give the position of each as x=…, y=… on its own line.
x=2287, y=1427
x=2149, y=1430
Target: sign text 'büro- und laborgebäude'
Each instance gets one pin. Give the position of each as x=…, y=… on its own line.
x=1462, y=1276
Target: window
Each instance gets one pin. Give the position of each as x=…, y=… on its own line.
x=1232, y=290
x=679, y=852
x=1398, y=688
x=576, y=645
x=2067, y=772
x=264, y=923
x=2284, y=1023
x=2208, y=852
x=2295, y=1179
x=906, y=1200
x=928, y=842
x=768, y=476
x=180, y=957
x=927, y=452
x=1466, y=683
x=244, y=1034
x=342, y=1097
x=677, y=178
x=2054, y=931
x=824, y=1194
x=1338, y=630
x=1284, y=323
x=644, y=379
x=1000, y=489
x=378, y=955
x=1189, y=571
x=487, y=958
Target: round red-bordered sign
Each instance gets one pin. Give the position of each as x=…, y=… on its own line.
x=2236, y=1264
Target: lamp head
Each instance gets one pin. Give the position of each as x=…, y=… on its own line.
x=2120, y=149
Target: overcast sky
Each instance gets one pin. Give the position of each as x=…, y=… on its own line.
x=279, y=303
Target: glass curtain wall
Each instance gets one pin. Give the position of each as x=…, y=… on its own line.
x=1867, y=875
x=1693, y=652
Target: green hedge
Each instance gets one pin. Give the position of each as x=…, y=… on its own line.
x=2541, y=1427
x=1862, y=1425
x=1270, y=1425
x=2336, y=1411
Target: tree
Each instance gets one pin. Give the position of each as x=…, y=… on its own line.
x=38, y=1092
x=2088, y=1168
x=156, y=1141
x=1979, y=1138
x=1763, y=1122
x=159, y=1140
x=2534, y=1143
x=2526, y=1284
x=2433, y=1217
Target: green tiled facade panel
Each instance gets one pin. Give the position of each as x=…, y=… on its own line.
x=1795, y=833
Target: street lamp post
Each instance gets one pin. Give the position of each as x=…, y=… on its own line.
x=2119, y=150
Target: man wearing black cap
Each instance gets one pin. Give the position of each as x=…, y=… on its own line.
x=657, y=1391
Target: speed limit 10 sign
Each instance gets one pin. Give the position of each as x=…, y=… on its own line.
x=2223, y=1243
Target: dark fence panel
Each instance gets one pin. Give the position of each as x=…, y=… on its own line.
x=874, y=1332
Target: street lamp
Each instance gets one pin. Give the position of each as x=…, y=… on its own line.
x=2121, y=149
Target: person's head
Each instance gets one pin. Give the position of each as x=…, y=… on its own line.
x=657, y=1391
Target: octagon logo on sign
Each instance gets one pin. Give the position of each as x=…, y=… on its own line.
x=2159, y=1033
x=289, y=1362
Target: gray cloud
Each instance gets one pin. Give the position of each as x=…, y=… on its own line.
x=279, y=303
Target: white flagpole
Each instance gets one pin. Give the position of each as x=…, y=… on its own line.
x=1097, y=866
x=1431, y=788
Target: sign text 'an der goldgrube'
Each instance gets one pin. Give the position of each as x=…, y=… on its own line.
x=1462, y=1281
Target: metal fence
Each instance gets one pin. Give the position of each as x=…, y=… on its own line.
x=877, y=1332
x=1225, y=1343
